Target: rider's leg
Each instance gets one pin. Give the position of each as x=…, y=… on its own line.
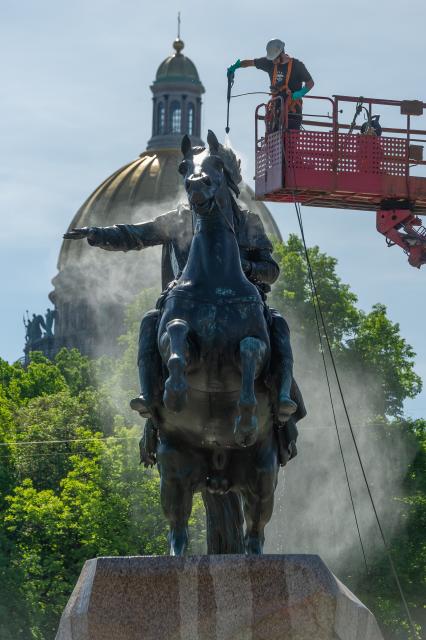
x=258, y=494
x=282, y=365
x=149, y=365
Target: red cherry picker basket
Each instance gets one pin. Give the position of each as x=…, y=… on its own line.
x=333, y=163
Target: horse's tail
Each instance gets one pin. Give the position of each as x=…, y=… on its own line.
x=224, y=517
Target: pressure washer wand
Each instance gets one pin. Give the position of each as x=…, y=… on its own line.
x=228, y=97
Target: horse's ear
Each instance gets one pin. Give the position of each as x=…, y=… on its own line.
x=186, y=147
x=213, y=142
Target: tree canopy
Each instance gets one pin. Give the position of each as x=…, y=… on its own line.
x=71, y=486
x=368, y=344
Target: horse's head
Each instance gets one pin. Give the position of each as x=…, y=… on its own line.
x=209, y=181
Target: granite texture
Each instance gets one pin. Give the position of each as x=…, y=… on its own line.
x=270, y=597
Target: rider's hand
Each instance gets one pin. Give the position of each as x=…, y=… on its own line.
x=232, y=69
x=78, y=234
x=148, y=459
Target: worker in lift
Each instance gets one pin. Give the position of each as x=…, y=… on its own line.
x=289, y=79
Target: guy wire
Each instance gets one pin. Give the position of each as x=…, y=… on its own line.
x=316, y=297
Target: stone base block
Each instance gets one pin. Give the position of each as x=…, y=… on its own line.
x=271, y=597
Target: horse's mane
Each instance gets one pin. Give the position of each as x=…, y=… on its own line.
x=231, y=162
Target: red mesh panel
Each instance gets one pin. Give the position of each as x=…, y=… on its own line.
x=261, y=159
x=355, y=153
x=274, y=149
x=309, y=150
x=269, y=153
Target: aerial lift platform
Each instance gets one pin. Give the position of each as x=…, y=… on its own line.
x=333, y=163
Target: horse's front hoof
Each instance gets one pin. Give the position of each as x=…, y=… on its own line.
x=245, y=430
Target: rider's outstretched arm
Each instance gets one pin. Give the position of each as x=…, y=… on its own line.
x=125, y=237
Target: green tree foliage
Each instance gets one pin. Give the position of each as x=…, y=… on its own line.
x=7, y=452
x=408, y=548
x=368, y=345
x=77, y=370
x=40, y=378
x=292, y=292
x=71, y=486
x=376, y=361
x=382, y=353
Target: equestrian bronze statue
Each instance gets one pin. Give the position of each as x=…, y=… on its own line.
x=215, y=362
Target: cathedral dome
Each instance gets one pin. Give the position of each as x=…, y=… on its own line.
x=177, y=67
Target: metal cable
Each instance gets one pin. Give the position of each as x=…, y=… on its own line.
x=335, y=421
x=106, y=439
x=30, y=442
x=315, y=302
x=251, y=93
x=385, y=544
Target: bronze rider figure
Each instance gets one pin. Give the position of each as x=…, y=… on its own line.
x=174, y=231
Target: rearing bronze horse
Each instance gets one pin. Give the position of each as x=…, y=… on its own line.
x=215, y=422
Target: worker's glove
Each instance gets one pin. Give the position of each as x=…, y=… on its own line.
x=300, y=93
x=232, y=69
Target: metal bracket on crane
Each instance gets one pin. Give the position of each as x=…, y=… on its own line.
x=402, y=227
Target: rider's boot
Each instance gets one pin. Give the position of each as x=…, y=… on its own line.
x=285, y=405
x=149, y=365
x=282, y=366
x=286, y=435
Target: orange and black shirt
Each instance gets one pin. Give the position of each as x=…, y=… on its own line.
x=299, y=74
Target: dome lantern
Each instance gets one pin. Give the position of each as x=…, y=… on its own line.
x=177, y=92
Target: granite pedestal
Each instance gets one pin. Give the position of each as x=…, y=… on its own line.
x=271, y=597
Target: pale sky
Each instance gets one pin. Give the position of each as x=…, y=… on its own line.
x=76, y=106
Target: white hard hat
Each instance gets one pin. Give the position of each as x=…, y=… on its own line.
x=274, y=48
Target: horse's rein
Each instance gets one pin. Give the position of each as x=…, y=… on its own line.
x=228, y=224
x=230, y=227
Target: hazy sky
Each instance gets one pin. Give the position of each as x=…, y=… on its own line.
x=76, y=105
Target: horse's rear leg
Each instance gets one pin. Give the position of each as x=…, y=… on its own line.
x=258, y=496
x=179, y=471
x=175, y=352
x=252, y=357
